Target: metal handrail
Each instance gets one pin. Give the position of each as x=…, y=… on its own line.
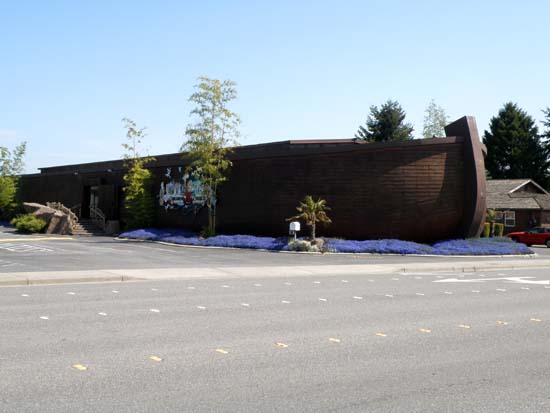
x=97, y=216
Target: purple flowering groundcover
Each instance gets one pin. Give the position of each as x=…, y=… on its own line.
x=473, y=246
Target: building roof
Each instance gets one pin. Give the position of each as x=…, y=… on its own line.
x=516, y=194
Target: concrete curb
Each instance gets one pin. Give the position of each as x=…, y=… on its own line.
x=152, y=274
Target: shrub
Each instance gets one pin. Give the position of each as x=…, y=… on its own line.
x=302, y=246
x=499, y=229
x=486, y=230
x=28, y=223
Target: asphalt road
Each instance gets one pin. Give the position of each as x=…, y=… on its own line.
x=97, y=253
x=387, y=343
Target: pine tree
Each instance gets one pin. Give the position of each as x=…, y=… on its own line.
x=386, y=123
x=514, y=147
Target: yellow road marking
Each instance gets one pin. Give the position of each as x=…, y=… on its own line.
x=222, y=351
x=381, y=334
x=536, y=320
x=35, y=239
x=334, y=340
x=281, y=345
x=424, y=330
x=155, y=358
x=464, y=326
x=502, y=323
x=80, y=367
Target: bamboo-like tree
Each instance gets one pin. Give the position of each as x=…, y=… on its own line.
x=139, y=203
x=209, y=140
x=312, y=212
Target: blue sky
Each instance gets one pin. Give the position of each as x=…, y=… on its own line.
x=70, y=70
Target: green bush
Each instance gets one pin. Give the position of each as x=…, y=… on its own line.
x=28, y=223
x=499, y=229
x=486, y=230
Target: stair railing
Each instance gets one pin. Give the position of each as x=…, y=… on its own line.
x=73, y=219
x=97, y=216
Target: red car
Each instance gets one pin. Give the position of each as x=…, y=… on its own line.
x=533, y=236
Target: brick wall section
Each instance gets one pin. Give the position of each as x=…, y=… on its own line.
x=413, y=190
x=408, y=192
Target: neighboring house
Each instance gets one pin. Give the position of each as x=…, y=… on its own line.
x=519, y=203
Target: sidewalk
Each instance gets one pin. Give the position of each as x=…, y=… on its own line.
x=118, y=275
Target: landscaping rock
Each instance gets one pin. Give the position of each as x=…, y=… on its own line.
x=58, y=222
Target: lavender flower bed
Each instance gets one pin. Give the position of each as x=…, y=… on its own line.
x=481, y=246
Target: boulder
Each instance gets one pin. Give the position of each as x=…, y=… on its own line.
x=58, y=222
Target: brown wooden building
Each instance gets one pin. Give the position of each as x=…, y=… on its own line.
x=422, y=190
x=519, y=203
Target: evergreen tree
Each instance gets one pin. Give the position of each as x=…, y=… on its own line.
x=139, y=204
x=546, y=122
x=386, y=123
x=435, y=120
x=514, y=147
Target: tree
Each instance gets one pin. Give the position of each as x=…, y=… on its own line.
x=514, y=147
x=386, y=124
x=312, y=212
x=435, y=120
x=546, y=122
x=11, y=167
x=139, y=204
x=210, y=137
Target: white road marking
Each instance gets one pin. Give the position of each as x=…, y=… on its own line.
x=24, y=295
x=525, y=288
x=201, y=307
x=154, y=289
x=388, y=295
x=345, y=281
x=287, y=283
x=190, y=288
x=43, y=317
x=323, y=299
x=257, y=285
x=395, y=279
x=225, y=286
x=475, y=291
x=447, y=292
x=501, y=289
x=513, y=280
x=285, y=302
x=420, y=294
x=115, y=291
x=316, y=282
x=245, y=304
x=154, y=310
x=71, y=293
x=102, y=313
x=357, y=297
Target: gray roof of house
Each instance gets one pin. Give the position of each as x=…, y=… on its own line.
x=501, y=195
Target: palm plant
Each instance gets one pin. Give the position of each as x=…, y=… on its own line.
x=312, y=212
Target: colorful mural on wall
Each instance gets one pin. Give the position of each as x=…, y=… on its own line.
x=185, y=193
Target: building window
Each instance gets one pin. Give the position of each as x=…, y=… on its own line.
x=499, y=216
x=510, y=218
